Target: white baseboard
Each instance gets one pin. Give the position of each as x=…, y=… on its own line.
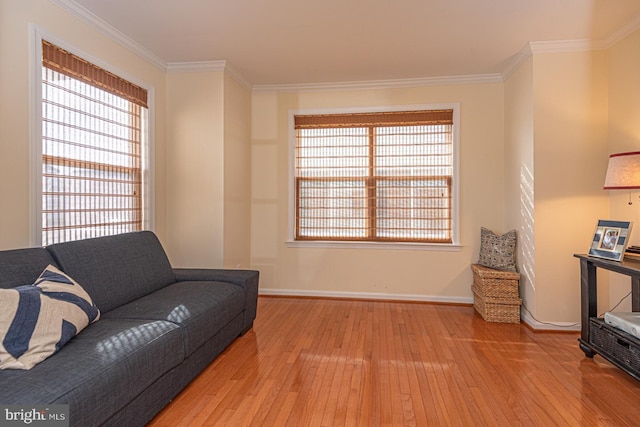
x=365, y=295
x=550, y=326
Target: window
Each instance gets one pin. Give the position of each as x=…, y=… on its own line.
x=375, y=177
x=93, y=142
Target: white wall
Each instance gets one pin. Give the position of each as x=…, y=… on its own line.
x=208, y=170
x=17, y=60
x=519, y=179
x=195, y=169
x=556, y=114
x=570, y=151
x=428, y=275
x=237, y=175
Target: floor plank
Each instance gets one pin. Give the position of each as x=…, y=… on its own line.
x=324, y=362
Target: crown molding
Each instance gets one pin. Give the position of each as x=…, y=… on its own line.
x=581, y=45
x=209, y=66
x=631, y=26
x=556, y=46
x=196, y=67
x=516, y=61
x=381, y=84
x=235, y=75
x=111, y=32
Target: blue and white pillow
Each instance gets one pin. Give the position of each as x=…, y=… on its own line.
x=37, y=320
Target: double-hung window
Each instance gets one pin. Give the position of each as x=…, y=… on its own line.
x=375, y=177
x=94, y=135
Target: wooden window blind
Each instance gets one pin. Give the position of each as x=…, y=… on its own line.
x=93, y=129
x=374, y=176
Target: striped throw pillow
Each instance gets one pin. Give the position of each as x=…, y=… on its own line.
x=37, y=320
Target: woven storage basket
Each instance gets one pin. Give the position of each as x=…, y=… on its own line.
x=623, y=348
x=492, y=309
x=495, y=283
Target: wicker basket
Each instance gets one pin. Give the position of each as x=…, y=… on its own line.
x=621, y=348
x=492, y=309
x=495, y=283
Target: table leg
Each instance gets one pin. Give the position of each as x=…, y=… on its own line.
x=589, y=297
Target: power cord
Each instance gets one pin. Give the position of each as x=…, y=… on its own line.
x=547, y=323
x=573, y=324
x=619, y=302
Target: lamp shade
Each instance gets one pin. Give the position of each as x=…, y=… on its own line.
x=623, y=172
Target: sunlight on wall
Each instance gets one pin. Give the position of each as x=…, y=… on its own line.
x=526, y=248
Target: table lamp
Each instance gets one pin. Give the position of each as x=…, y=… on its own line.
x=623, y=173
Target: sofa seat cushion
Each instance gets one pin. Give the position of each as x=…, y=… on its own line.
x=201, y=308
x=100, y=370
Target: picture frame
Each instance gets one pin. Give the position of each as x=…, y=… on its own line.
x=610, y=239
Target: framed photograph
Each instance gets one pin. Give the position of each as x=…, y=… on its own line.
x=610, y=239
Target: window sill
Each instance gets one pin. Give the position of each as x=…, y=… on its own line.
x=324, y=244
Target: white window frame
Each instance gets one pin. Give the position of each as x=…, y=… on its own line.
x=455, y=197
x=35, y=107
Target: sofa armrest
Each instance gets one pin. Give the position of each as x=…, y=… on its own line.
x=247, y=279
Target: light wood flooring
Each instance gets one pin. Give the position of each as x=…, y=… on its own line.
x=323, y=362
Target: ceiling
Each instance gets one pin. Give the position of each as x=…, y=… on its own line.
x=278, y=42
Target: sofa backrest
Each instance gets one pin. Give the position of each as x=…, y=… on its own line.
x=115, y=270
x=22, y=266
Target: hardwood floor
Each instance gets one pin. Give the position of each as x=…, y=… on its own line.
x=321, y=362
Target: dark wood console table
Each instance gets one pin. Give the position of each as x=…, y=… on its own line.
x=589, y=305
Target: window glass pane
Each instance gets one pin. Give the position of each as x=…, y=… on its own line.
x=335, y=208
x=410, y=209
x=414, y=151
x=89, y=202
x=387, y=181
x=332, y=152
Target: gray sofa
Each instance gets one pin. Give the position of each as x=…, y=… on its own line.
x=159, y=328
